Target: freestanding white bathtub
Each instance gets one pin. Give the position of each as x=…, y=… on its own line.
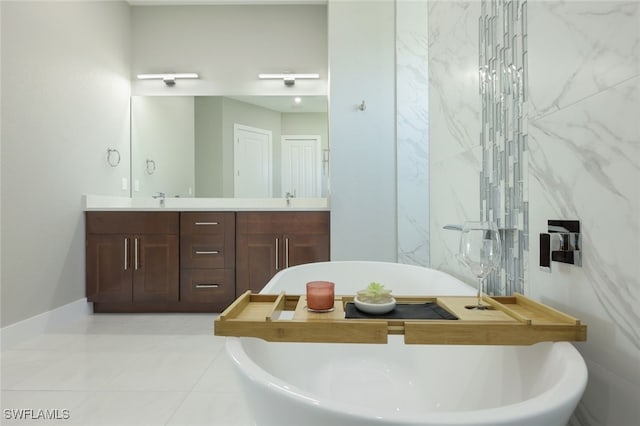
x=318, y=384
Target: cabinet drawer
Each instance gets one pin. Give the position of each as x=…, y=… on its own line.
x=283, y=222
x=203, y=251
x=132, y=223
x=207, y=223
x=207, y=286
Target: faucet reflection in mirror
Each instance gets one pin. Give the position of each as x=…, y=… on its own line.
x=192, y=138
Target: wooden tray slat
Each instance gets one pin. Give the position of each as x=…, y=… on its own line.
x=307, y=331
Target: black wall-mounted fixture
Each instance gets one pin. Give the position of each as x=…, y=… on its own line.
x=562, y=243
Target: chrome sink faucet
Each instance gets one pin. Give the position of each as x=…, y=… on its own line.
x=161, y=196
x=289, y=196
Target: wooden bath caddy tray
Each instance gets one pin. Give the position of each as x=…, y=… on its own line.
x=512, y=320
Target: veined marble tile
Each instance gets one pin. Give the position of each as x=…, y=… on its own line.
x=454, y=189
x=454, y=100
x=412, y=133
x=455, y=157
x=585, y=164
x=577, y=49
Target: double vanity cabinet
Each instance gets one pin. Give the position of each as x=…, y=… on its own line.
x=193, y=261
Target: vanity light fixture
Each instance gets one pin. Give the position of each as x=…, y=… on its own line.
x=289, y=78
x=168, y=78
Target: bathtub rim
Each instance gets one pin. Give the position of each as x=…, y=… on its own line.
x=568, y=389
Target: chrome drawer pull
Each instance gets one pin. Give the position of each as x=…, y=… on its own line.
x=208, y=252
x=207, y=285
x=206, y=223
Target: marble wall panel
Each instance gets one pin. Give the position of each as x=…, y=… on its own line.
x=455, y=157
x=583, y=162
x=593, y=49
x=584, y=142
x=454, y=109
x=585, y=165
x=412, y=134
x=455, y=197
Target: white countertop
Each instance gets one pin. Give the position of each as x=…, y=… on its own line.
x=106, y=203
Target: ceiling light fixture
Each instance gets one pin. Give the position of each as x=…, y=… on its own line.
x=168, y=78
x=289, y=78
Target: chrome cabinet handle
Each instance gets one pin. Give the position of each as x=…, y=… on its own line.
x=206, y=223
x=126, y=254
x=135, y=253
x=207, y=252
x=286, y=252
x=204, y=285
x=277, y=260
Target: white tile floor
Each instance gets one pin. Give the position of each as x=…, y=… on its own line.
x=124, y=369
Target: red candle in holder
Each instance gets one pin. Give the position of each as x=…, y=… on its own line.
x=320, y=295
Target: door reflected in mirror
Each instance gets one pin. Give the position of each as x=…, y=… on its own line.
x=229, y=146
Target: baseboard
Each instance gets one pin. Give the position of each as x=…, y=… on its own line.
x=14, y=334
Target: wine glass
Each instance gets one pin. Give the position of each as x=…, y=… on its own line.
x=480, y=251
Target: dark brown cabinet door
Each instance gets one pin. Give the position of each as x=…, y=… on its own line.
x=305, y=248
x=132, y=261
x=258, y=259
x=109, y=269
x=270, y=241
x=155, y=268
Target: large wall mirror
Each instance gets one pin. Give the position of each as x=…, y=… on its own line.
x=226, y=146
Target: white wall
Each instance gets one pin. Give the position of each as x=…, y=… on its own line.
x=65, y=101
x=228, y=46
x=363, y=158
